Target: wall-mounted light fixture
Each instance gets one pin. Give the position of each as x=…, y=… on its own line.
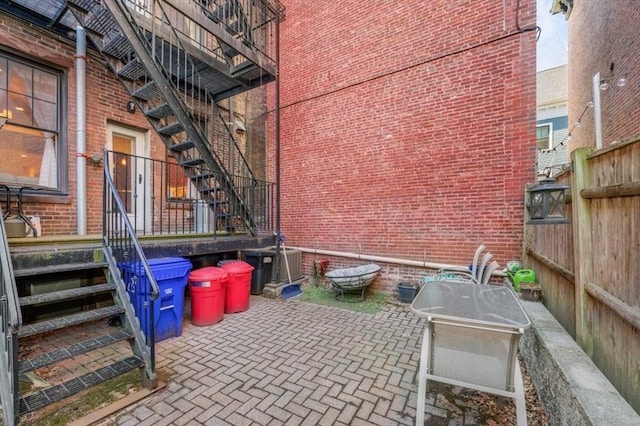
x=620, y=82
x=131, y=107
x=547, y=203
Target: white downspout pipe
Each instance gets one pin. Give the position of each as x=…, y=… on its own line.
x=392, y=260
x=81, y=131
x=597, y=110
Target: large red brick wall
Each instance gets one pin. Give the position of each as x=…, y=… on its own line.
x=603, y=37
x=407, y=128
x=106, y=101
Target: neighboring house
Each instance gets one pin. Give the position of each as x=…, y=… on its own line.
x=552, y=126
x=602, y=40
x=407, y=128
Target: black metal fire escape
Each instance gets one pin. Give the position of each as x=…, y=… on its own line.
x=177, y=58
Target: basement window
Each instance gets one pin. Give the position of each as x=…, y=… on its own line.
x=30, y=137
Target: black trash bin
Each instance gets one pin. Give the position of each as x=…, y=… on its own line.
x=262, y=261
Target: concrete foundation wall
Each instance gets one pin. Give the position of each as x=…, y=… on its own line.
x=571, y=388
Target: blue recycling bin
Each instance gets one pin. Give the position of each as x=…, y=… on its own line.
x=171, y=274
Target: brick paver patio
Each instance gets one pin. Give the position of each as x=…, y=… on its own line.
x=296, y=363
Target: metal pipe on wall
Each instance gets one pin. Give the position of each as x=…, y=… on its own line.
x=392, y=260
x=276, y=273
x=81, y=131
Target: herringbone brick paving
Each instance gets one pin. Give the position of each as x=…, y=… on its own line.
x=286, y=362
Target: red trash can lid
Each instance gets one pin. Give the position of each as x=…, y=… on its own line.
x=238, y=267
x=210, y=273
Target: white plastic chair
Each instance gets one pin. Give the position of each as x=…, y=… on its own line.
x=481, y=274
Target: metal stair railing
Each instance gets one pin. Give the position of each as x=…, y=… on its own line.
x=11, y=322
x=181, y=34
x=162, y=51
x=163, y=197
x=122, y=249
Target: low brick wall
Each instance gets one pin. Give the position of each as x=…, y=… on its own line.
x=571, y=388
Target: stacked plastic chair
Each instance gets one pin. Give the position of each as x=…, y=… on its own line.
x=479, y=272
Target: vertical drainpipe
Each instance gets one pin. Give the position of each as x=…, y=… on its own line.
x=81, y=132
x=277, y=135
x=597, y=110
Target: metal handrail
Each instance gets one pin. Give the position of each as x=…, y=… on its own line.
x=11, y=322
x=187, y=95
x=170, y=199
x=122, y=249
x=111, y=193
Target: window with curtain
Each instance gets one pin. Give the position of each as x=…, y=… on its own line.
x=177, y=182
x=30, y=111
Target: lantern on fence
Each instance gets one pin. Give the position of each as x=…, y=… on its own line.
x=547, y=203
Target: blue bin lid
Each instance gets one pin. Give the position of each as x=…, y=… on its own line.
x=162, y=268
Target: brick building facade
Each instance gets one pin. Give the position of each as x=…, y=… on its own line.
x=408, y=128
x=106, y=103
x=603, y=39
x=35, y=48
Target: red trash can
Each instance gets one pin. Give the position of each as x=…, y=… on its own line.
x=207, y=288
x=236, y=297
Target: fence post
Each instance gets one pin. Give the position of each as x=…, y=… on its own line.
x=582, y=244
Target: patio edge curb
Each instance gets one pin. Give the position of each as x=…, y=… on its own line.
x=571, y=388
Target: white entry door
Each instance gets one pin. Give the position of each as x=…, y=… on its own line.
x=130, y=172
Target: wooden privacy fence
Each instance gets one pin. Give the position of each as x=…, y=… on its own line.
x=589, y=269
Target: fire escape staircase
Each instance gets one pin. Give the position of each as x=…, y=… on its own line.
x=177, y=59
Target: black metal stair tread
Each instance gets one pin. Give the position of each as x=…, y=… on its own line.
x=76, y=349
x=41, y=399
x=100, y=21
x=242, y=68
x=133, y=70
x=147, y=92
x=63, y=267
x=69, y=320
x=204, y=175
x=192, y=162
x=171, y=129
x=210, y=190
x=182, y=146
x=82, y=5
x=117, y=46
x=66, y=294
x=160, y=111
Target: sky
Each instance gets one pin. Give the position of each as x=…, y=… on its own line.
x=552, y=45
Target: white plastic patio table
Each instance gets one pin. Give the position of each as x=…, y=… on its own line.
x=471, y=340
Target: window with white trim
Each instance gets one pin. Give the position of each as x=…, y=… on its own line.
x=544, y=136
x=30, y=112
